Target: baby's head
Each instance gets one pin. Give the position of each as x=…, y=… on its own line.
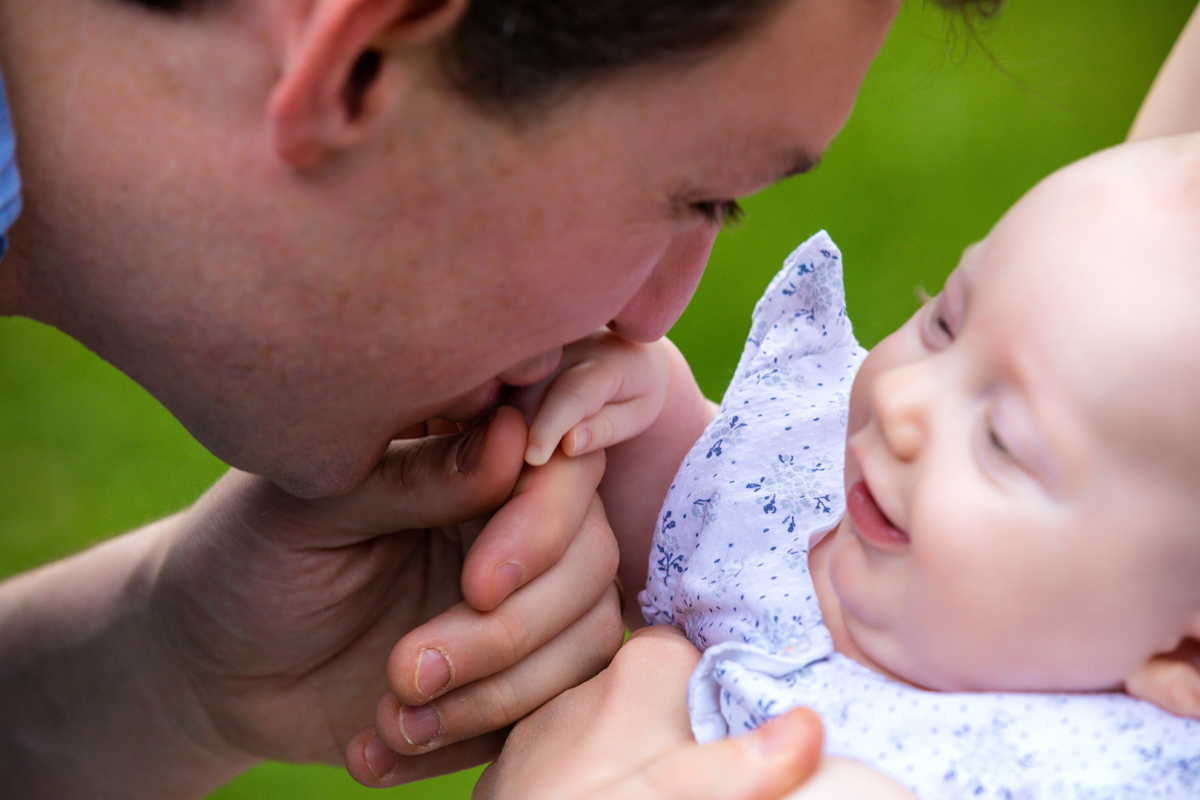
x=1023, y=458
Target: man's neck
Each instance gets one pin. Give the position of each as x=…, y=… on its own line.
x=14, y=288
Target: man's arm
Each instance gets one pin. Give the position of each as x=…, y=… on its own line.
x=257, y=625
x=1173, y=103
x=91, y=707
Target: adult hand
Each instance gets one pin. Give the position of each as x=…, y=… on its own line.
x=283, y=612
x=625, y=735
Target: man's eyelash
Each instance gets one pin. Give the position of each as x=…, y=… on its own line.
x=720, y=212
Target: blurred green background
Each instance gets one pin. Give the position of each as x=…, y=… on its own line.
x=949, y=131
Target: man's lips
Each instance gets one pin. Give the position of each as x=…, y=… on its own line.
x=870, y=523
x=532, y=370
x=475, y=404
x=485, y=398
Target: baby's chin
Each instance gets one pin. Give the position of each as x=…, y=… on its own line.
x=864, y=637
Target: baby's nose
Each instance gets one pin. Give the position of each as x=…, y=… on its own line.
x=900, y=398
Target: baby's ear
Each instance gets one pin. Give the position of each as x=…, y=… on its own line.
x=1171, y=681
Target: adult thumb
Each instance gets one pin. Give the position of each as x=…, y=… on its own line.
x=766, y=764
x=436, y=480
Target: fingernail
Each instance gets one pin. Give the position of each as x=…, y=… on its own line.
x=379, y=757
x=533, y=455
x=468, y=451
x=507, y=578
x=420, y=725
x=582, y=439
x=433, y=673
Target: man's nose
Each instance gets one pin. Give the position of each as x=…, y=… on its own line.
x=668, y=289
x=901, y=398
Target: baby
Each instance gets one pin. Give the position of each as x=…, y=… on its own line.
x=982, y=600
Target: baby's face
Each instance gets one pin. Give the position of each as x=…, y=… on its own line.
x=1023, y=460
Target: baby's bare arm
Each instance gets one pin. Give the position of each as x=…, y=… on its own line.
x=640, y=471
x=1173, y=103
x=641, y=404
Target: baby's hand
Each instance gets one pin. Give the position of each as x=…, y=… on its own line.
x=607, y=390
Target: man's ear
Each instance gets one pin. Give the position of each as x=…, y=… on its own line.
x=1171, y=681
x=331, y=60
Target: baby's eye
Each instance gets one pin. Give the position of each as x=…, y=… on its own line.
x=940, y=321
x=998, y=443
x=720, y=212
x=938, y=332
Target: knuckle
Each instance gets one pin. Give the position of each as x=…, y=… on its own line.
x=610, y=633
x=510, y=637
x=494, y=705
x=606, y=430
x=600, y=632
x=605, y=552
x=576, y=391
x=590, y=469
x=407, y=465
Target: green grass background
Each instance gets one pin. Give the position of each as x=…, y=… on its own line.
x=949, y=131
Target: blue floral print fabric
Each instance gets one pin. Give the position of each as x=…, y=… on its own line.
x=729, y=565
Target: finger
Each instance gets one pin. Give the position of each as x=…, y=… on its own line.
x=462, y=645
x=530, y=533
x=763, y=765
x=570, y=658
x=621, y=373
x=372, y=763
x=427, y=482
x=574, y=396
x=615, y=422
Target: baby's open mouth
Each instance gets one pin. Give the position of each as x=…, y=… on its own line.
x=869, y=521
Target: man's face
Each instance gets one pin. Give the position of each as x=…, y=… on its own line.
x=1022, y=466
x=296, y=322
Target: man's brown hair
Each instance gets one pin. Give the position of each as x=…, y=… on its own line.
x=510, y=54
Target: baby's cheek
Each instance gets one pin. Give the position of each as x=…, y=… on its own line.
x=863, y=593
x=860, y=408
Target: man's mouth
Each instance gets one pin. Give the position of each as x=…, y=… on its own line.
x=532, y=370
x=474, y=405
x=480, y=402
x=869, y=521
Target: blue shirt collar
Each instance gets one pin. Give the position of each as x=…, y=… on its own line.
x=10, y=180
